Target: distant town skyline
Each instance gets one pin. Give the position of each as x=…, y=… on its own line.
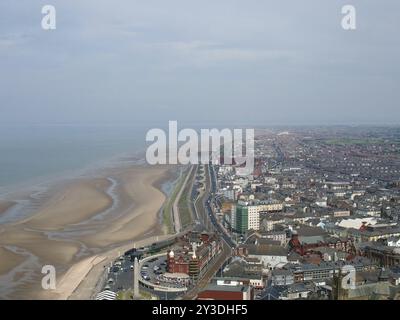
x=261, y=62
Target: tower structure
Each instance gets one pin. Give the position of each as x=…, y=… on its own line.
x=136, y=278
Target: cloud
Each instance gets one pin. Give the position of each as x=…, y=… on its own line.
x=203, y=53
x=8, y=41
x=238, y=54
x=229, y=57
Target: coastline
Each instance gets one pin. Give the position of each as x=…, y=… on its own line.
x=86, y=275
x=69, y=231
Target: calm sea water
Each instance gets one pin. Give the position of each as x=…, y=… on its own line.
x=38, y=152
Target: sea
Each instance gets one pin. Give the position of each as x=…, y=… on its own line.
x=39, y=153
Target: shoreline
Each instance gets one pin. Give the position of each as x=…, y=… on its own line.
x=26, y=195
x=86, y=274
x=53, y=234
x=34, y=188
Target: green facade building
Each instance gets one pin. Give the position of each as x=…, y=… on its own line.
x=242, y=215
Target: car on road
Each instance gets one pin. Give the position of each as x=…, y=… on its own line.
x=115, y=269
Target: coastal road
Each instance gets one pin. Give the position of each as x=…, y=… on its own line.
x=211, y=224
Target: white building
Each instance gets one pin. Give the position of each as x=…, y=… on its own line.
x=356, y=223
x=393, y=242
x=253, y=217
x=270, y=256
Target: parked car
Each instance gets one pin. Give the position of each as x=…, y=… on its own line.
x=115, y=269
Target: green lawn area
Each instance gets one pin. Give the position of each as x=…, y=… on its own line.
x=185, y=213
x=127, y=295
x=167, y=210
x=124, y=295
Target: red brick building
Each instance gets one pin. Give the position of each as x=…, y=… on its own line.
x=184, y=260
x=227, y=290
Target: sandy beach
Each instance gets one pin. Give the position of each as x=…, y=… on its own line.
x=79, y=226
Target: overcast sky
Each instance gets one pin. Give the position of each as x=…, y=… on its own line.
x=255, y=62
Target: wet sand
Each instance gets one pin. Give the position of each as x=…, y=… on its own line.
x=5, y=205
x=75, y=203
x=9, y=260
x=77, y=227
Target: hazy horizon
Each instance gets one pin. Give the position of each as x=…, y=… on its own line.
x=111, y=71
x=232, y=62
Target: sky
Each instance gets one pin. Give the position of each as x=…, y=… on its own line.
x=254, y=62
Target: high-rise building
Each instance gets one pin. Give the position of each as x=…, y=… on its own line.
x=247, y=217
x=253, y=217
x=242, y=217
